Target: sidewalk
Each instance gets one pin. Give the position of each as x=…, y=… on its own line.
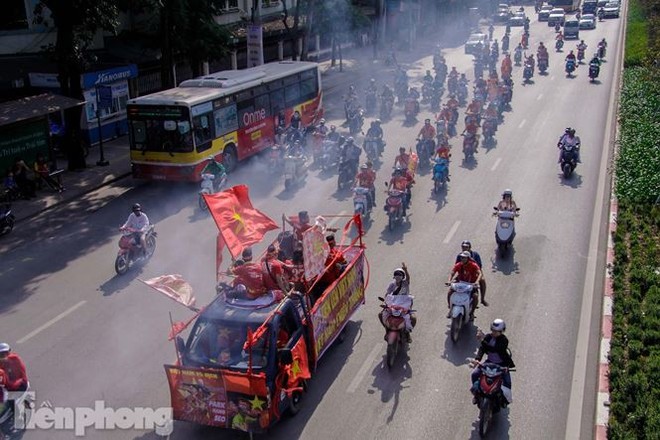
x=79, y=183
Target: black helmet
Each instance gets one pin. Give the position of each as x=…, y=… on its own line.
x=137, y=207
x=466, y=243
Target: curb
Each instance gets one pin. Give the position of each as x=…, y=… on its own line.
x=75, y=197
x=603, y=400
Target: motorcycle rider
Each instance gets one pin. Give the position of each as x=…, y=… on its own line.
x=569, y=139
x=350, y=154
x=15, y=374
x=296, y=121
x=506, y=66
x=505, y=42
x=492, y=115
x=495, y=345
x=595, y=61
x=602, y=44
x=372, y=87
x=542, y=54
x=571, y=57
x=467, y=271
x=428, y=78
x=530, y=61
x=582, y=47
x=376, y=132
x=524, y=41
x=400, y=286
x=365, y=179
x=466, y=246
x=507, y=203
x=217, y=169
x=518, y=52
x=601, y=14
x=333, y=135
x=403, y=159
x=427, y=135
x=138, y=223
x=321, y=129
x=491, y=29
x=401, y=181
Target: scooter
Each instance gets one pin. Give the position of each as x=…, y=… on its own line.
x=295, y=170
x=394, y=207
x=528, y=72
x=440, y=173
x=505, y=231
x=347, y=172
x=424, y=148
x=8, y=413
x=601, y=51
x=410, y=110
x=558, y=45
x=491, y=395
x=517, y=57
x=580, y=56
x=7, y=220
x=568, y=160
x=208, y=186
x=490, y=125
x=461, y=300
x=131, y=253
x=594, y=70
x=371, y=148
x=395, y=307
x=361, y=202
x=330, y=155
x=543, y=65
x=386, y=105
x=570, y=67
x=470, y=144
x=370, y=102
x=462, y=94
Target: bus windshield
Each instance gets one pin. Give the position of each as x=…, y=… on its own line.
x=160, y=129
x=220, y=344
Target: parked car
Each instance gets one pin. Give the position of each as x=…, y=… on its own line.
x=611, y=10
x=474, y=40
x=544, y=13
x=557, y=15
x=602, y=3
x=588, y=21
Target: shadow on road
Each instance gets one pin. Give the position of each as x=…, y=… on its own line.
x=396, y=235
x=500, y=425
x=505, y=263
x=458, y=352
x=390, y=381
x=574, y=181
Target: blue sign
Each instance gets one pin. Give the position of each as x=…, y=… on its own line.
x=104, y=96
x=93, y=79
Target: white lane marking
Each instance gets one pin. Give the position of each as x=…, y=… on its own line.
x=451, y=232
x=49, y=323
x=497, y=162
x=522, y=123
x=368, y=362
x=336, y=219
x=538, y=98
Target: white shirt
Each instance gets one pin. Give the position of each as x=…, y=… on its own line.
x=139, y=223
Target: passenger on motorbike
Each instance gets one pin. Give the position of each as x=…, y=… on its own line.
x=542, y=54
x=321, y=129
x=506, y=66
x=138, y=224
x=333, y=135
x=375, y=132
x=466, y=246
x=571, y=57
x=492, y=115
x=467, y=271
x=507, y=203
x=427, y=132
x=529, y=61
x=400, y=286
x=365, y=179
x=602, y=43
x=444, y=115
x=401, y=181
x=582, y=47
x=350, y=154
x=495, y=346
x=296, y=121
x=568, y=139
x=403, y=159
x=217, y=169
x=15, y=373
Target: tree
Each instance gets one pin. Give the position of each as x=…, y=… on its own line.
x=76, y=21
x=342, y=21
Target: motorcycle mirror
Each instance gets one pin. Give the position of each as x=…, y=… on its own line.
x=381, y=298
x=517, y=209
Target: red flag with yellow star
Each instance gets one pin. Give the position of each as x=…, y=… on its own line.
x=299, y=369
x=240, y=224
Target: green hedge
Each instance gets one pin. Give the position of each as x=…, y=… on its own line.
x=635, y=350
x=638, y=164
x=637, y=35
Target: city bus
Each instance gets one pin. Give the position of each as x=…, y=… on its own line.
x=230, y=115
x=566, y=5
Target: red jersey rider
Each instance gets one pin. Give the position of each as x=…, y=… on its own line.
x=427, y=132
x=403, y=159
x=15, y=374
x=365, y=179
x=467, y=270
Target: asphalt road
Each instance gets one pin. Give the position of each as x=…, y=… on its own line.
x=88, y=335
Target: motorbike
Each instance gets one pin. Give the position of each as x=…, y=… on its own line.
x=436, y=97
x=370, y=102
x=570, y=67
x=361, y=201
x=386, y=105
x=208, y=186
x=543, y=65
x=8, y=415
x=275, y=159
x=131, y=253
x=558, y=45
x=491, y=395
x=410, y=110
x=517, y=57
x=427, y=90
x=568, y=160
x=401, y=90
x=355, y=121
x=330, y=155
x=394, y=207
x=452, y=84
x=601, y=15
x=601, y=51
x=461, y=306
x=505, y=231
x=528, y=72
x=594, y=70
x=295, y=170
x=317, y=145
x=424, y=149
x=7, y=220
x=470, y=144
x=440, y=173
x=557, y=27
x=462, y=94
x=478, y=69
x=580, y=55
x=490, y=125
x=347, y=172
x=395, y=307
x=372, y=148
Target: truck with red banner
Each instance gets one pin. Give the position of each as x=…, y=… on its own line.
x=246, y=362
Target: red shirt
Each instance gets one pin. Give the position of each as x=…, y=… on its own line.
x=276, y=270
x=366, y=178
x=467, y=272
x=399, y=183
x=300, y=229
x=16, y=376
x=249, y=274
x=333, y=272
x=402, y=159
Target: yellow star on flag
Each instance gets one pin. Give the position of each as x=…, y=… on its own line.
x=295, y=368
x=257, y=403
x=241, y=224
x=224, y=332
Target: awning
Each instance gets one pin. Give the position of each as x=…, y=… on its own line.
x=33, y=107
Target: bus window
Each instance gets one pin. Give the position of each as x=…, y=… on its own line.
x=262, y=102
x=308, y=89
x=226, y=120
x=292, y=95
x=277, y=100
x=161, y=136
x=203, y=131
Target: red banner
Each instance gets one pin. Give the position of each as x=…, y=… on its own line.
x=240, y=224
x=174, y=287
x=299, y=369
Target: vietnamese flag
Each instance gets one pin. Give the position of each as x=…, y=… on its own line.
x=299, y=369
x=240, y=224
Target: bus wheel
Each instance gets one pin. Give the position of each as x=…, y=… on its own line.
x=229, y=159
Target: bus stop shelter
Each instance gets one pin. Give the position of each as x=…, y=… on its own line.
x=24, y=127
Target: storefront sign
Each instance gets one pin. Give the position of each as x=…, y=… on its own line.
x=93, y=79
x=255, y=46
x=22, y=141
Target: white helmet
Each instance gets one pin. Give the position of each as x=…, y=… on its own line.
x=498, y=325
x=5, y=348
x=507, y=192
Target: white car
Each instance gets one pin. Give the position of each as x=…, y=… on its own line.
x=544, y=13
x=557, y=15
x=473, y=41
x=611, y=9
x=588, y=21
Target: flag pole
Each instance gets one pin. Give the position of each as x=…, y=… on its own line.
x=176, y=349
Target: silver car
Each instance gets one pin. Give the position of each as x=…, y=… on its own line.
x=473, y=41
x=611, y=10
x=588, y=21
x=544, y=13
x=557, y=15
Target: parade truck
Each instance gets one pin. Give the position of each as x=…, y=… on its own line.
x=247, y=362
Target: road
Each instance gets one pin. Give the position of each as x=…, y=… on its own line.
x=88, y=335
